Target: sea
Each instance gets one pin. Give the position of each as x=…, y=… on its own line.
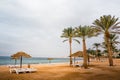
x=6, y=60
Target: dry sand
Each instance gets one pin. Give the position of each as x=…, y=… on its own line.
x=98, y=71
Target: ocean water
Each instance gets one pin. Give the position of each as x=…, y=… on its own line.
x=5, y=60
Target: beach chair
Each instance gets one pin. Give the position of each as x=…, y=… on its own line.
x=11, y=70
x=77, y=64
x=13, y=66
x=17, y=70
x=22, y=70
x=31, y=70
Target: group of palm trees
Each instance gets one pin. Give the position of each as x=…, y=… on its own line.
x=106, y=25
x=113, y=44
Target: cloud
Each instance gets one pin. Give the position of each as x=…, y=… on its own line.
x=36, y=26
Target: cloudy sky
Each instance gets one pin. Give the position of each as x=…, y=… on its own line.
x=35, y=26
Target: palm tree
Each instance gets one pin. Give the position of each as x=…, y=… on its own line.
x=96, y=45
x=113, y=41
x=84, y=32
x=107, y=24
x=69, y=34
x=89, y=52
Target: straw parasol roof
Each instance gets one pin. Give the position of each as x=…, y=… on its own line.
x=20, y=55
x=77, y=54
x=49, y=59
x=15, y=59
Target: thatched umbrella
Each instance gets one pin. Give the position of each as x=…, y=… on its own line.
x=77, y=54
x=15, y=59
x=20, y=55
x=49, y=59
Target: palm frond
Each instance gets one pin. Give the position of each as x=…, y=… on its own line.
x=117, y=42
x=65, y=40
x=85, y=31
x=106, y=23
x=115, y=25
x=77, y=41
x=115, y=32
x=68, y=32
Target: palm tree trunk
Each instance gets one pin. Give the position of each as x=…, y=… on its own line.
x=84, y=54
x=109, y=52
x=97, y=52
x=70, y=42
x=88, y=59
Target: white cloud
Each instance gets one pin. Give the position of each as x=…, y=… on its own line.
x=35, y=26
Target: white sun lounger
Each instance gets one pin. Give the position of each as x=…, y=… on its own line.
x=31, y=69
x=77, y=65
x=13, y=66
x=23, y=70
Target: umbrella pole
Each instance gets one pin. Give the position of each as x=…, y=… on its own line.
x=21, y=62
x=15, y=61
x=74, y=60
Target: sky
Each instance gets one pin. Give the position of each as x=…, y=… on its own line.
x=35, y=26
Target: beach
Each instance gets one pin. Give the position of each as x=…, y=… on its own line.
x=98, y=70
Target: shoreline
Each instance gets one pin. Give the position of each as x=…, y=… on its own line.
x=38, y=64
x=6, y=60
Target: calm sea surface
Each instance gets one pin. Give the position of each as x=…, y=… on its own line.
x=5, y=60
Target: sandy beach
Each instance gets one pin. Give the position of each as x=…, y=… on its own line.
x=97, y=71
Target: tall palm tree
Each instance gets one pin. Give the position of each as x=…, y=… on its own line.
x=96, y=45
x=113, y=41
x=69, y=34
x=107, y=24
x=84, y=32
x=89, y=52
